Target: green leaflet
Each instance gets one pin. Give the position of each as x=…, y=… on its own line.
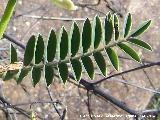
x=128, y=25
x=140, y=43
x=13, y=58
x=6, y=16
x=108, y=28
x=51, y=46
x=63, y=44
x=51, y=52
x=132, y=53
x=36, y=75
x=77, y=69
x=142, y=28
x=63, y=72
x=21, y=75
x=29, y=51
x=97, y=31
x=113, y=57
x=39, y=52
x=86, y=35
x=116, y=27
x=49, y=74
x=100, y=62
x=75, y=39
x=9, y=75
x=88, y=65
x=13, y=54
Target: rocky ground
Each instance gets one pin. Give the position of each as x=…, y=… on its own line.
x=23, y=25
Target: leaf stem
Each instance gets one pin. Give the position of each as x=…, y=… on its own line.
x=56, y=63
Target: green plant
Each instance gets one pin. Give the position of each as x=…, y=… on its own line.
x=155, y=104
x=77, y=49
x=6, y=16
x=66, y=4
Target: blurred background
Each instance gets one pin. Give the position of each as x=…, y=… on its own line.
x=40, y=16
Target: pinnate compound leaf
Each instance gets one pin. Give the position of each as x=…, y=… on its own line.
x=88, y=65
x=6, y=16
x=63, y=72
x=63, y=44
x=86, y=35
x=140, y=43
x=116, y=27
x=13, y=54
x=39, y=52
x=49, y=74
x=77, y=69
x=113, y=57
x=100, y=62
x=75, y=39
x=108, y=28
x=29, y=51
x=142, y=28
x=97, y=31
x=36, y=75
x=75, y=36
x=128, y=25
x=51, y=46
x=131, y=52
x=21, y=75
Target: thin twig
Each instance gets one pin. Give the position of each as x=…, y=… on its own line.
x=89, y=105
x=146, y=74
x=28, y=12
x=128, y=71
x=133, y=85
x=51, y=98
x=36, y=102
x=14, y=40
x=16, y=108
x=151, y=111
x=57, y=18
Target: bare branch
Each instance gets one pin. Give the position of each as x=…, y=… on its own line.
x=128, y=71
